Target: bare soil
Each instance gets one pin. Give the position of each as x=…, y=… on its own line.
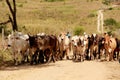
x=63, y=70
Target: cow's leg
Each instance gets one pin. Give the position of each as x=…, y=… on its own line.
x=31, y=58
x=67, y=52
x=23, y=58
x=36, y=57
x=26, y=56
x=118, y=55
x=47, y=54
x=111, y=56
x=107, y=56
x=16, y=58
x=60, y=55
x=75, y=57
x=51, y=57
x=41, y=57
x=89, y=54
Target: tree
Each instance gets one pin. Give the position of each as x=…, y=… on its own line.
x=13, y=14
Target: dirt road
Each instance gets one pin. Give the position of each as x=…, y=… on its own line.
x=64, y=70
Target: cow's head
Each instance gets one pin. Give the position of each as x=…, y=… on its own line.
x=11, y=38
x=76, y=41
x=32, y=40
x=41, y=41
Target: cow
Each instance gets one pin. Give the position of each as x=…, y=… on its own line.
x=47, y=44
x=110, y=45
x=19, y=46
x=64, y=45
x=117, y=50
x=92, y=46
x=79, y=48
x=101, y=48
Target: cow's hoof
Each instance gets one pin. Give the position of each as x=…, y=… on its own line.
x=67, y=58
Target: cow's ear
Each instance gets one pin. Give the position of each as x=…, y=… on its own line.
x=17, y=38
x=29, y=34
x=103, y=41
x=6, y=38
x=27, y=39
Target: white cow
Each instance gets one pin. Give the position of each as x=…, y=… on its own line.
x=65, y=45
x=79, y=45
x=19, y=46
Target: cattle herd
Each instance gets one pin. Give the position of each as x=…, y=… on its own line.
x=44, y=48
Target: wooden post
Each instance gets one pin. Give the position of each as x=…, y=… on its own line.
x=3, y=42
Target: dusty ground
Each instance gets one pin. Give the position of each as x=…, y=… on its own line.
x=64, y=70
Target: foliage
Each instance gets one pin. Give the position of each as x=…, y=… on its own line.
x=5, y=57
x=78, y=30
x=92, y=15
x=6, y=32
x=110, y=22
x=106, y=2
x=110, y=8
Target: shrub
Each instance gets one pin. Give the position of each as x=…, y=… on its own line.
x=78, y=31
x=110, y=22
x=110, y=8
x=118, y=25
x=6, y=32
x=106, y=2
x=92, y=15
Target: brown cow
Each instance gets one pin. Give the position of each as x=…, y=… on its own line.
x=33, y=48
x=110, y=45
x=48, y=43
x=92, y=46
x=44, y=46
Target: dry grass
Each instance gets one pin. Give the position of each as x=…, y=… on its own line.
x=39, y=16
x=54, y=17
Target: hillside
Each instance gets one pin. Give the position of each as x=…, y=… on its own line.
x=53, y=17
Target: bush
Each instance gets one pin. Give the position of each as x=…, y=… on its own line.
x=78, y=31
x=118, y=25
x=110, y=22
x=6, y=32
x=106, y=2
x=92, y=15
x=110, y=8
